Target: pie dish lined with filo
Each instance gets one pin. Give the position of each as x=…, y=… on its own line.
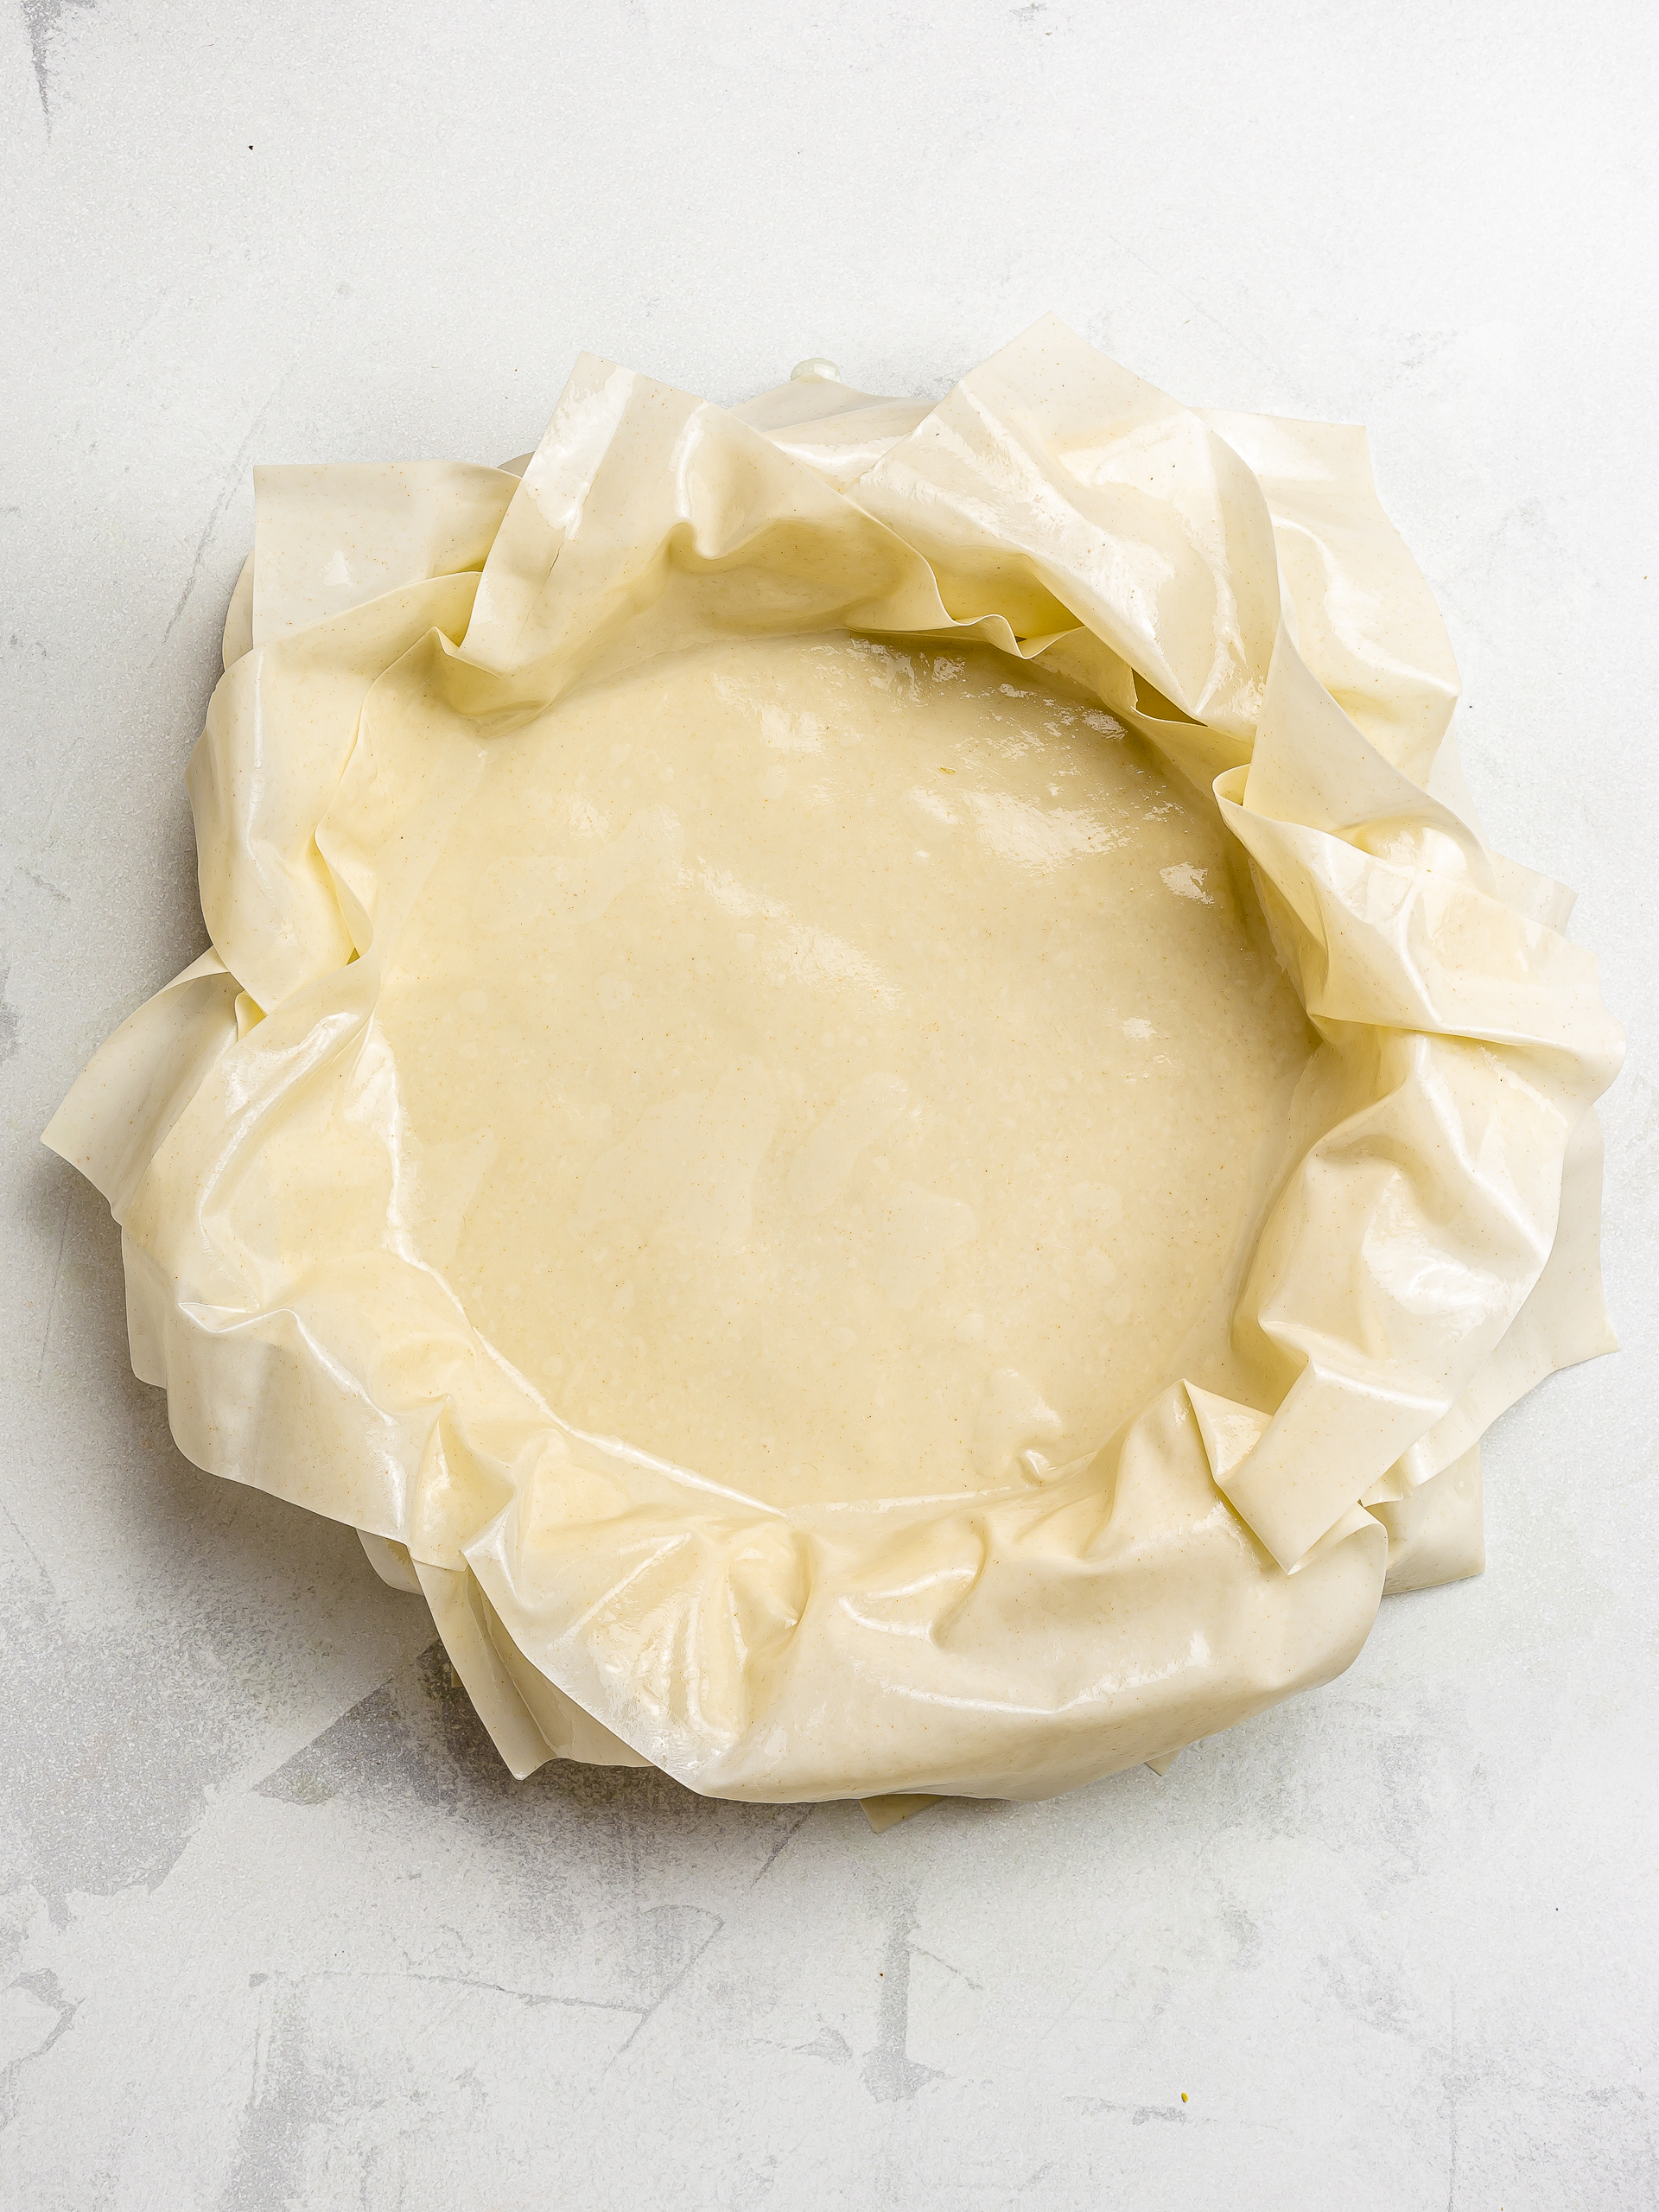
x=863, y=1089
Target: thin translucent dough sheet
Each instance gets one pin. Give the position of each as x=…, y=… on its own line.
x=864, y=1089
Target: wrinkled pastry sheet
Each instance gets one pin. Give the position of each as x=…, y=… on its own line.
x=864, y=1091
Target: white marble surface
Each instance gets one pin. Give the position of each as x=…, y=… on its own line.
x=276, y=1930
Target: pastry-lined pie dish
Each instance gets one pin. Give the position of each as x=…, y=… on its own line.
x=863, y=1089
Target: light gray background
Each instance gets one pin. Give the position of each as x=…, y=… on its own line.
x=276, y=1930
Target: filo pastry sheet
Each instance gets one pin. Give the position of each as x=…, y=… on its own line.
x=863, y=1089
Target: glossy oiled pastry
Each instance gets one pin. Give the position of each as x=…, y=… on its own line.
x=863, y=1089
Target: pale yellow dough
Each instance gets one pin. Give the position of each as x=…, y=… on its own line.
x=835, y=1067
x=863, y=1089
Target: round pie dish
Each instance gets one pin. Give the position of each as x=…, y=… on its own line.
x=863, y=1089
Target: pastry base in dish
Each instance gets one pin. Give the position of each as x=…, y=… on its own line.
x=841, y=1068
